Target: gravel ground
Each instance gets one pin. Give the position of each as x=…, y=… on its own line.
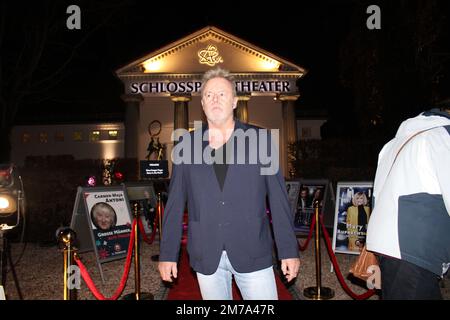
x=40, y=274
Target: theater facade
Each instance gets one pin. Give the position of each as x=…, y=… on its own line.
x=163, y=87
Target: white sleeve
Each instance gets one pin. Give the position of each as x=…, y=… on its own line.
x=440, y=156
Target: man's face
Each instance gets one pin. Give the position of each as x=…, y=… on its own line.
x=304, y=194
x=218, y=101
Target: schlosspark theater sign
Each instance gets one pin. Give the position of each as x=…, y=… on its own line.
x=165, y=85
x=192, y=87
x=177, y=69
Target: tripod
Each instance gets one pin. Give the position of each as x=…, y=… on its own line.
x=5, y=256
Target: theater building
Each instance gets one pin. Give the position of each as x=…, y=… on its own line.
x=164, y=86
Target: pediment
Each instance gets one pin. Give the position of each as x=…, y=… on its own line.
x=205, y=49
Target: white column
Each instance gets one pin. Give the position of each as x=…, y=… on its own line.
x=242, y=108
x=133, y=102
x=181, y=111
x=289, y=131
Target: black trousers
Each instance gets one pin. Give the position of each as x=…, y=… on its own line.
x=401, y=280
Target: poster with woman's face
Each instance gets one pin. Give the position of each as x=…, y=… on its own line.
x=110, y=222
x=353, y=209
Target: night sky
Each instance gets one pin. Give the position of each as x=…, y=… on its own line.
x=114, y=33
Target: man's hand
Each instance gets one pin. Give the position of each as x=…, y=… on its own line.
x=290, y=268
x=167, y=270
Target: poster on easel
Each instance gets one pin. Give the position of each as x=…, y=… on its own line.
x=352, y=213
x=143, y=193
x=292, y=188
x=310, y=191
x=102, y=220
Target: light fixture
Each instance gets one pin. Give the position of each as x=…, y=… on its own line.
x=152, y=65
x=269, y=64
x=92, y=181
x=12, y=205
x=118, y=176
x=8, y=205
x=11, y=197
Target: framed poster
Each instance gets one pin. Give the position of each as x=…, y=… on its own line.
x=293, y=188
x=102, y=220
x=143, y=193
x=309, y=192
x=352, y=213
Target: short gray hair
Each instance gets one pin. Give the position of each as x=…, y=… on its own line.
x=218, y=73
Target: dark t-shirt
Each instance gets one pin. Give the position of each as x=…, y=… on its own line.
x=220, y=165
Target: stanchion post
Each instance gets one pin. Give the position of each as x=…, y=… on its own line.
x=67, y=238
x=137, y=269
x=137, y=295
x=159, y=217
x=318, y=292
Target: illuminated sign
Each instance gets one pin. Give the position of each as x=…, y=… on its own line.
x=192, y=87
x=209, y=56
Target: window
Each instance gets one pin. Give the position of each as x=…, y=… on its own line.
x=77, y=136
x=59, y=136
x=112, y=134
x=26, y=137
x=94, y=136
x=43, y=137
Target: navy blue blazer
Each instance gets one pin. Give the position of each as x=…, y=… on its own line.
x=233, y=219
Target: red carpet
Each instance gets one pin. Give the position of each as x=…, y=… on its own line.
x=186, y=286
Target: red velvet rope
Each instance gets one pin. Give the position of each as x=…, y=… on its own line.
x=311, y=228
x=344, y=285
x=161, y=213
x=142, y=230
x=87, y=278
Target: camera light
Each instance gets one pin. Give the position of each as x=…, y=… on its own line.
x=7, y=204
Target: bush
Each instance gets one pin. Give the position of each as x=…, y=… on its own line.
x=50, y=185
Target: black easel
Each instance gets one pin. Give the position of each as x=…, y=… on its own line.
x=161, y=185
x=5, y=256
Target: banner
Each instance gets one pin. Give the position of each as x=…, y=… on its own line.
x=102, y=220
x=353, y=209
x=110, y=222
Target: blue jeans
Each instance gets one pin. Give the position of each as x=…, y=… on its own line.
x=258, y=285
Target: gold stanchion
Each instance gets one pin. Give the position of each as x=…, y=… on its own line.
x=137, y=295
x=66, y=237
x=318, y=292
x=159, y=217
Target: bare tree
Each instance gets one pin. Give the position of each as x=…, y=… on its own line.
x=37, y=50
x=392, y=71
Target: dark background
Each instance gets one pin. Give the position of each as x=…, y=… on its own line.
x=365, y=81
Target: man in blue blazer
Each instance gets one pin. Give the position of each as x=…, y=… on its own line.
x=224, y=171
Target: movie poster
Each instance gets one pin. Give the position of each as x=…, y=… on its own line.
x=310, y=192
x=353, y=209
x=110, y=221
x=292, y=188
